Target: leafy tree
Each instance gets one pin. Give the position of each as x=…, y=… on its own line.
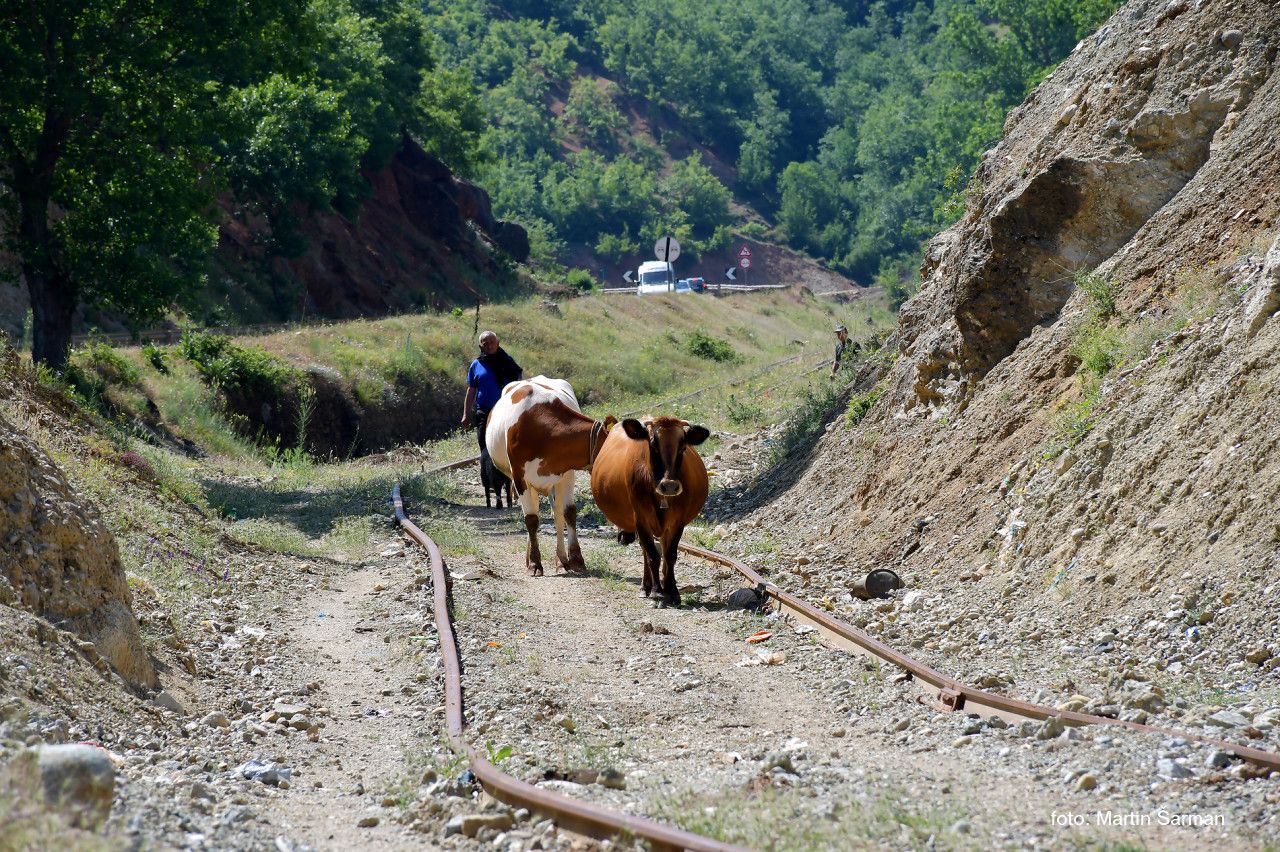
x=591, y=112
x=120, y=125
x=453, y=124
x=879, y=105
x=691, y=187
x=616, y=246
x=522, y=127
x=808, y=206
x=105, y=120
x=762, y=135
x=305, y=136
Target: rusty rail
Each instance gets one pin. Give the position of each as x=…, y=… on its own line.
x=576, y=815
x=946, y=693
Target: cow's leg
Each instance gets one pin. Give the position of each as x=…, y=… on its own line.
x=670, y=549
x=652, y=560
x=559, y=496
x=576, y=562
x=568, y=551
x=532, y=555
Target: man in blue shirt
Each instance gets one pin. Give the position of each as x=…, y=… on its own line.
x=486, y=377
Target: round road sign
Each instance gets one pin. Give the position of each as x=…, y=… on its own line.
x=745, y=263
x=666, y=249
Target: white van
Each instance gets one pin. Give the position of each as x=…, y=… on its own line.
x=656, y=276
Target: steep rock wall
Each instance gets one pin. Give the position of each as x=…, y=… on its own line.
x=1103, y=160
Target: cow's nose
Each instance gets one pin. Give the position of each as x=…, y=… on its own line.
x=670, y=487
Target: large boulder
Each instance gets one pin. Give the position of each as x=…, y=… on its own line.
x=58, y=560
x=79, y=781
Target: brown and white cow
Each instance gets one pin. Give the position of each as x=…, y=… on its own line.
x=650, y=482
x=538, y=437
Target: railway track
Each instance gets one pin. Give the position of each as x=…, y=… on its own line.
x=570, y=813
x=933, y=689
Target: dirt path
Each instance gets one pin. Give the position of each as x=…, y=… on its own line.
x=604, y=684
x=350, y=645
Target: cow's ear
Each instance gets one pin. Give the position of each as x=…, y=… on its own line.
x=695, y=435
x=635, y=430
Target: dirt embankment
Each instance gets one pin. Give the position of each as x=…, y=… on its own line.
x=422, y=238
x=323, y=412
x=57, y=559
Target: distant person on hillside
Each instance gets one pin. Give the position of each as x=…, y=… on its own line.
x=486, y=377
x=844, y=347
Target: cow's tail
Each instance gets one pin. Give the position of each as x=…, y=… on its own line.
x=625, y=537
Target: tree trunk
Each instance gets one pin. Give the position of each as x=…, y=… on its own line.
x=53, y=300
x=53, y=294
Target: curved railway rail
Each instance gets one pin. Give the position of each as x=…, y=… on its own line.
x=934, y=690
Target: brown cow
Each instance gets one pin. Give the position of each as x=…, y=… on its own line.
x=650, y=482
x=537, y=437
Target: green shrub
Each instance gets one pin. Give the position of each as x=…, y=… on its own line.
x=900, y=279
x=1098, y=347
x=1078, y=419
x=861, y=403
x=109, y=364
x=202, y=347
x=703, y=345
x=616, y=246
x=227, y=366
x=155, y=356
x=580, y=279
x=743, y=411
x=1100, y=291
x=96, y=366
x=802, y=429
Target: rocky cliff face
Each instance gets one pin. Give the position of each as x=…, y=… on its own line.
x=991, y=471
x=58, y=560
x=1150, y=149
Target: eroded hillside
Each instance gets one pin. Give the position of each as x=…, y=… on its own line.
x=1079, y=438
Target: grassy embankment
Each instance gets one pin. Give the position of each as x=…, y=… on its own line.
x=622, y=354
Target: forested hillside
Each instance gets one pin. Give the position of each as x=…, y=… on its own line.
x=129, y=152
x=851, y=125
